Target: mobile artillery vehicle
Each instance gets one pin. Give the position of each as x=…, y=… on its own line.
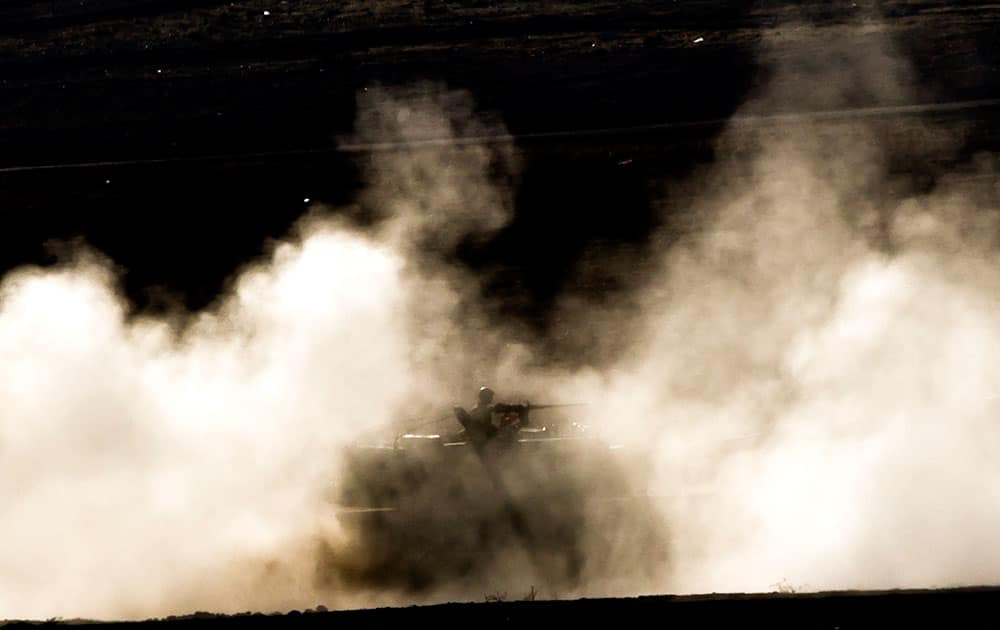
x=424, y=508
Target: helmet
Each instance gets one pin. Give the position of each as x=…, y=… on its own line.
x=485, y=395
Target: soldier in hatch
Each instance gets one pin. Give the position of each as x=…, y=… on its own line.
x=478, y=423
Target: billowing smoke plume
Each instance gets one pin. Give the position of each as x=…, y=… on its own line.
x=434, y=192
x=814, y=361
x=153, y=467
x=139, y=464
x=809, y=371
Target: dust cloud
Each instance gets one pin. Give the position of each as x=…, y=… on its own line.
x=165, y=465
x=809, y=370
x=813, y=362
x=138, y=463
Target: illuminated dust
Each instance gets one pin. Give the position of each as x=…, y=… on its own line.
x=806, y=370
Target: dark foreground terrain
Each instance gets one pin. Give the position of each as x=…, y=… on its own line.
x=957, y=608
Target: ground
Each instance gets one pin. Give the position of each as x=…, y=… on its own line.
x=957, y=608
x=240, y=106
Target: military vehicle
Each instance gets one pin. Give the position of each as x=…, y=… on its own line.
x=430, y=507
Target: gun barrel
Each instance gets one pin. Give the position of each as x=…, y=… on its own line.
x=559, y=405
